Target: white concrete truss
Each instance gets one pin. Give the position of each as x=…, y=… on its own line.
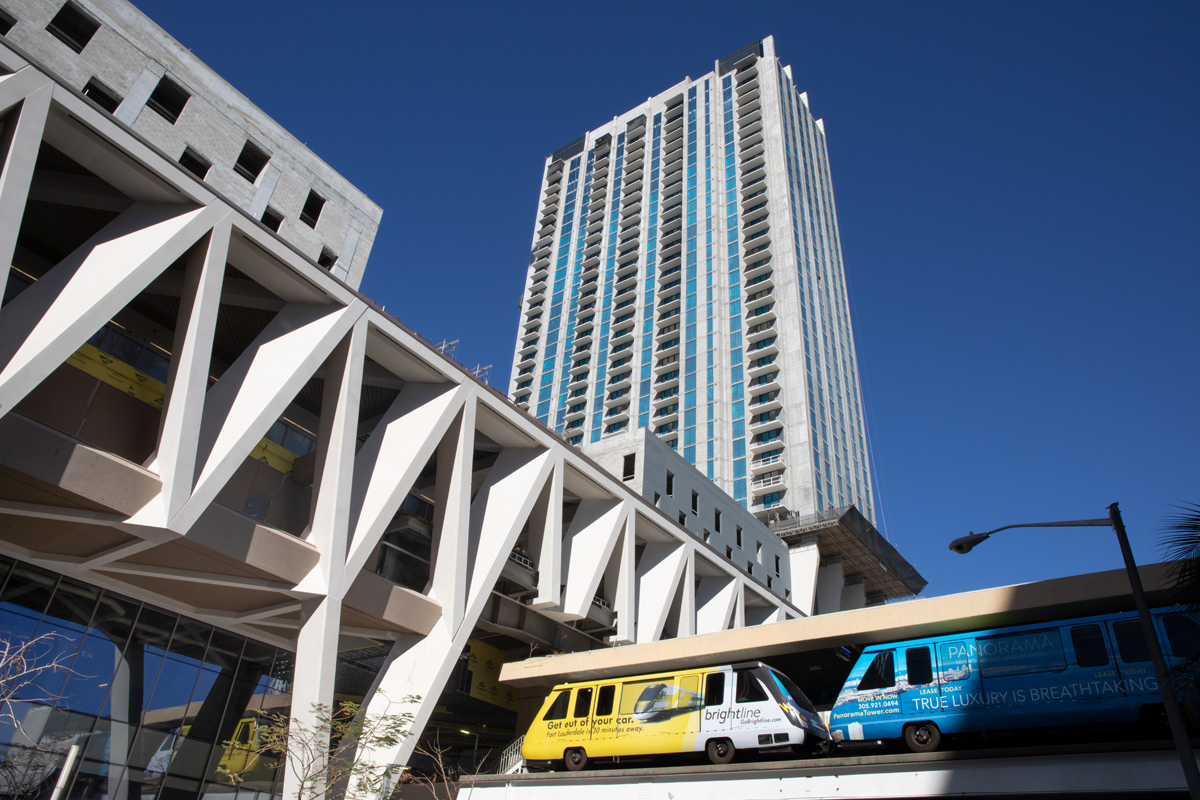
x=166, y=489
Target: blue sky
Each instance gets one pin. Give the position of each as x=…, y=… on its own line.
x=1018, y=190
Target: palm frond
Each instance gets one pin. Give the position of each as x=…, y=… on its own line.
x=1181, y=544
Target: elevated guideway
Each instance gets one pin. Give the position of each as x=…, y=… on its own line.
x=817, y=651
x=1128, y=769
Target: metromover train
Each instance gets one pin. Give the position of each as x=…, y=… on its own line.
x=714, y=710
x=1073, y=672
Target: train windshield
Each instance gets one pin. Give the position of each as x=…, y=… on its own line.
x=798, y=696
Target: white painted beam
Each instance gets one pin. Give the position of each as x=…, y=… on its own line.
x=714, y=600
x=187, y=378
x=589, y=542
x=451, y=516
x=392, y=458
x=47, y=322
x=545, y=541
x=624, y=568
x=658, y=574
x=254, y=392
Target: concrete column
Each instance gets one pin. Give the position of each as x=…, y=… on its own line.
x=545, y=542
x=830, y=580
x=20, y=141
x=321, y=616
x=622, y=574
x=854, y=593
x=805, y=562
x=714, y=604
x=587, y=546
x=658, y=574
x=451, y=516
x=191, y=358
x=417, y=668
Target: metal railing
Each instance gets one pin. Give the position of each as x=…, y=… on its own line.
x=506, y=762
x=788, y=522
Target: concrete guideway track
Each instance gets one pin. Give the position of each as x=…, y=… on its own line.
x=1124, y=770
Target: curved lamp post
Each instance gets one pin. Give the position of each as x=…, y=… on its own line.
x=964, y=545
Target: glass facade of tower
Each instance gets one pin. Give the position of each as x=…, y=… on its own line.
x=686, y=276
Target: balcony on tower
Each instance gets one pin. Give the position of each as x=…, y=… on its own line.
x=766, y=401
x=763, y=281
x=750, y=123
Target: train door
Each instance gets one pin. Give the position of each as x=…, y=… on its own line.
x=755, y=716
x=919, y=696
x=868, y=706
x=1094, y=673
x=1135, y=671
x=1180, y=635
x=603, y=733
x=716, y=702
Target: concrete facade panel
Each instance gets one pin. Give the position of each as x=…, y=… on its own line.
x=129, y=52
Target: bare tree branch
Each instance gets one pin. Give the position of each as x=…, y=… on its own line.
x=325, y=757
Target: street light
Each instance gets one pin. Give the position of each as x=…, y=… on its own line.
x=964, y=545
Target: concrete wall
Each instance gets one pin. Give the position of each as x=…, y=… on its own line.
x=760, y=552
x=129, y=54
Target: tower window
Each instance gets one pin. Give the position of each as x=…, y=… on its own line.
x=72, y=27
x=327, y=258
x=7, y=21
x=695, y=502
x=101, y=95
x=670, y=485
x=168, y=99
x=195, y=163
x=251, y=161
x=312, y=209
x=272, y=219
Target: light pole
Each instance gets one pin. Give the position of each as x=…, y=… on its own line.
x=964, y=545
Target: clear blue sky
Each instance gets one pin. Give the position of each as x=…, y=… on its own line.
x=1018, y=188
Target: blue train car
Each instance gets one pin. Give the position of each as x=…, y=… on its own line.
x=1079, y=671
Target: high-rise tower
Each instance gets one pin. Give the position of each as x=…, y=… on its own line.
x=686, y=276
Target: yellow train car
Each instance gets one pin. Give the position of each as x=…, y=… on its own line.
x=715, y=710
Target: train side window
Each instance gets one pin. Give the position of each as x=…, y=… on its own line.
x=954, y=659
x=690, y=684
x=558, y=709
x=714, y=689
x=583, y=702
x=749, y=690
x=1130, y=641
x=1021, y=653
x=881, y=674
x=604, y=700
x=1088, y=642
x=1183, y=635
x=920, y=666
